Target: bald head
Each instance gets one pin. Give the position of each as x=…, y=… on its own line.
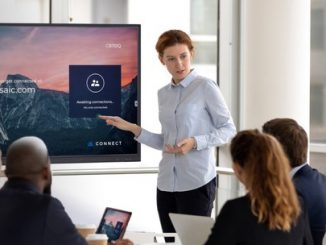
x=26, y=156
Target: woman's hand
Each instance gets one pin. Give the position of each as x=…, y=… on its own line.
x=183, y=147
x=121, y=124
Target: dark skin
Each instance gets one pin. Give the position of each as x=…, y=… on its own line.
x=28, y=159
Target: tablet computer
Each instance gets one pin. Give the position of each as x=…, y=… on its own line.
x=114, y=223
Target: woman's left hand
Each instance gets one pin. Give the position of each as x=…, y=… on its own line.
x=183, y=147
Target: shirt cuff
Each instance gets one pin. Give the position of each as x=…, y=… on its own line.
x=201, y=142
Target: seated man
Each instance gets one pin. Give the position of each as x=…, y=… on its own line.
x=309, y=183
x=28, y=213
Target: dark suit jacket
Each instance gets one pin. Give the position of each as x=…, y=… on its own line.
x=30, y=218
x=236, y=224
x=311, y=186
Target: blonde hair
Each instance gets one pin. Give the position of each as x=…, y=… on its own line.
x=271, y=191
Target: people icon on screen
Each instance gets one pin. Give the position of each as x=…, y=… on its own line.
x=95, y=83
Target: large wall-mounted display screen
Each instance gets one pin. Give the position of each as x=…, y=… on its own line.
x=55, y=79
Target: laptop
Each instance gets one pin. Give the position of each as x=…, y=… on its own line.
x=192, y=229
x=114, y=223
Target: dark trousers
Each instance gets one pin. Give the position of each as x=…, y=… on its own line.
x=195, y=202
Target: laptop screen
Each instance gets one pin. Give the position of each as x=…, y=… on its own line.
x=114, y=223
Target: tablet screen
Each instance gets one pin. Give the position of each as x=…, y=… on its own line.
x=114, y=223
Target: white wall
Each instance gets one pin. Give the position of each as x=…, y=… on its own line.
x=275, y=63
x=86, y=196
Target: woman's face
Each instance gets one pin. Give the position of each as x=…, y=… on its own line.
x=177, y=59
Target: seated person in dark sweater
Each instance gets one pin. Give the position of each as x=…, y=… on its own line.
x=309, y=182
x=28, y=213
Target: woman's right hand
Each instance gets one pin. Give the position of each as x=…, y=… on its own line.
x=121, y=124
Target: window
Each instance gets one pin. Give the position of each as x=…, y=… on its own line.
x=318, y=85
x=203, y=30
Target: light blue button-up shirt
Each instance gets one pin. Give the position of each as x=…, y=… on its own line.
x=193, y=108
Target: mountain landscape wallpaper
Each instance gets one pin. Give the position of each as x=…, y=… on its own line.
x=45, y=114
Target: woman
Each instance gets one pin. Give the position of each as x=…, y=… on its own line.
x=270, y=212
x=194, y=120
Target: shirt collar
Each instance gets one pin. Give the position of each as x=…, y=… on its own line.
x=296, y=169
x=186, y=81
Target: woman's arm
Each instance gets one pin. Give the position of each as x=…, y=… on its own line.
x=223, y=127
x=122, y=124
x=141, y=135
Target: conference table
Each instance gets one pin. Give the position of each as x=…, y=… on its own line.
x=150, y=238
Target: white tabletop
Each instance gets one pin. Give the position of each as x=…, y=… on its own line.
x=148, y=238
